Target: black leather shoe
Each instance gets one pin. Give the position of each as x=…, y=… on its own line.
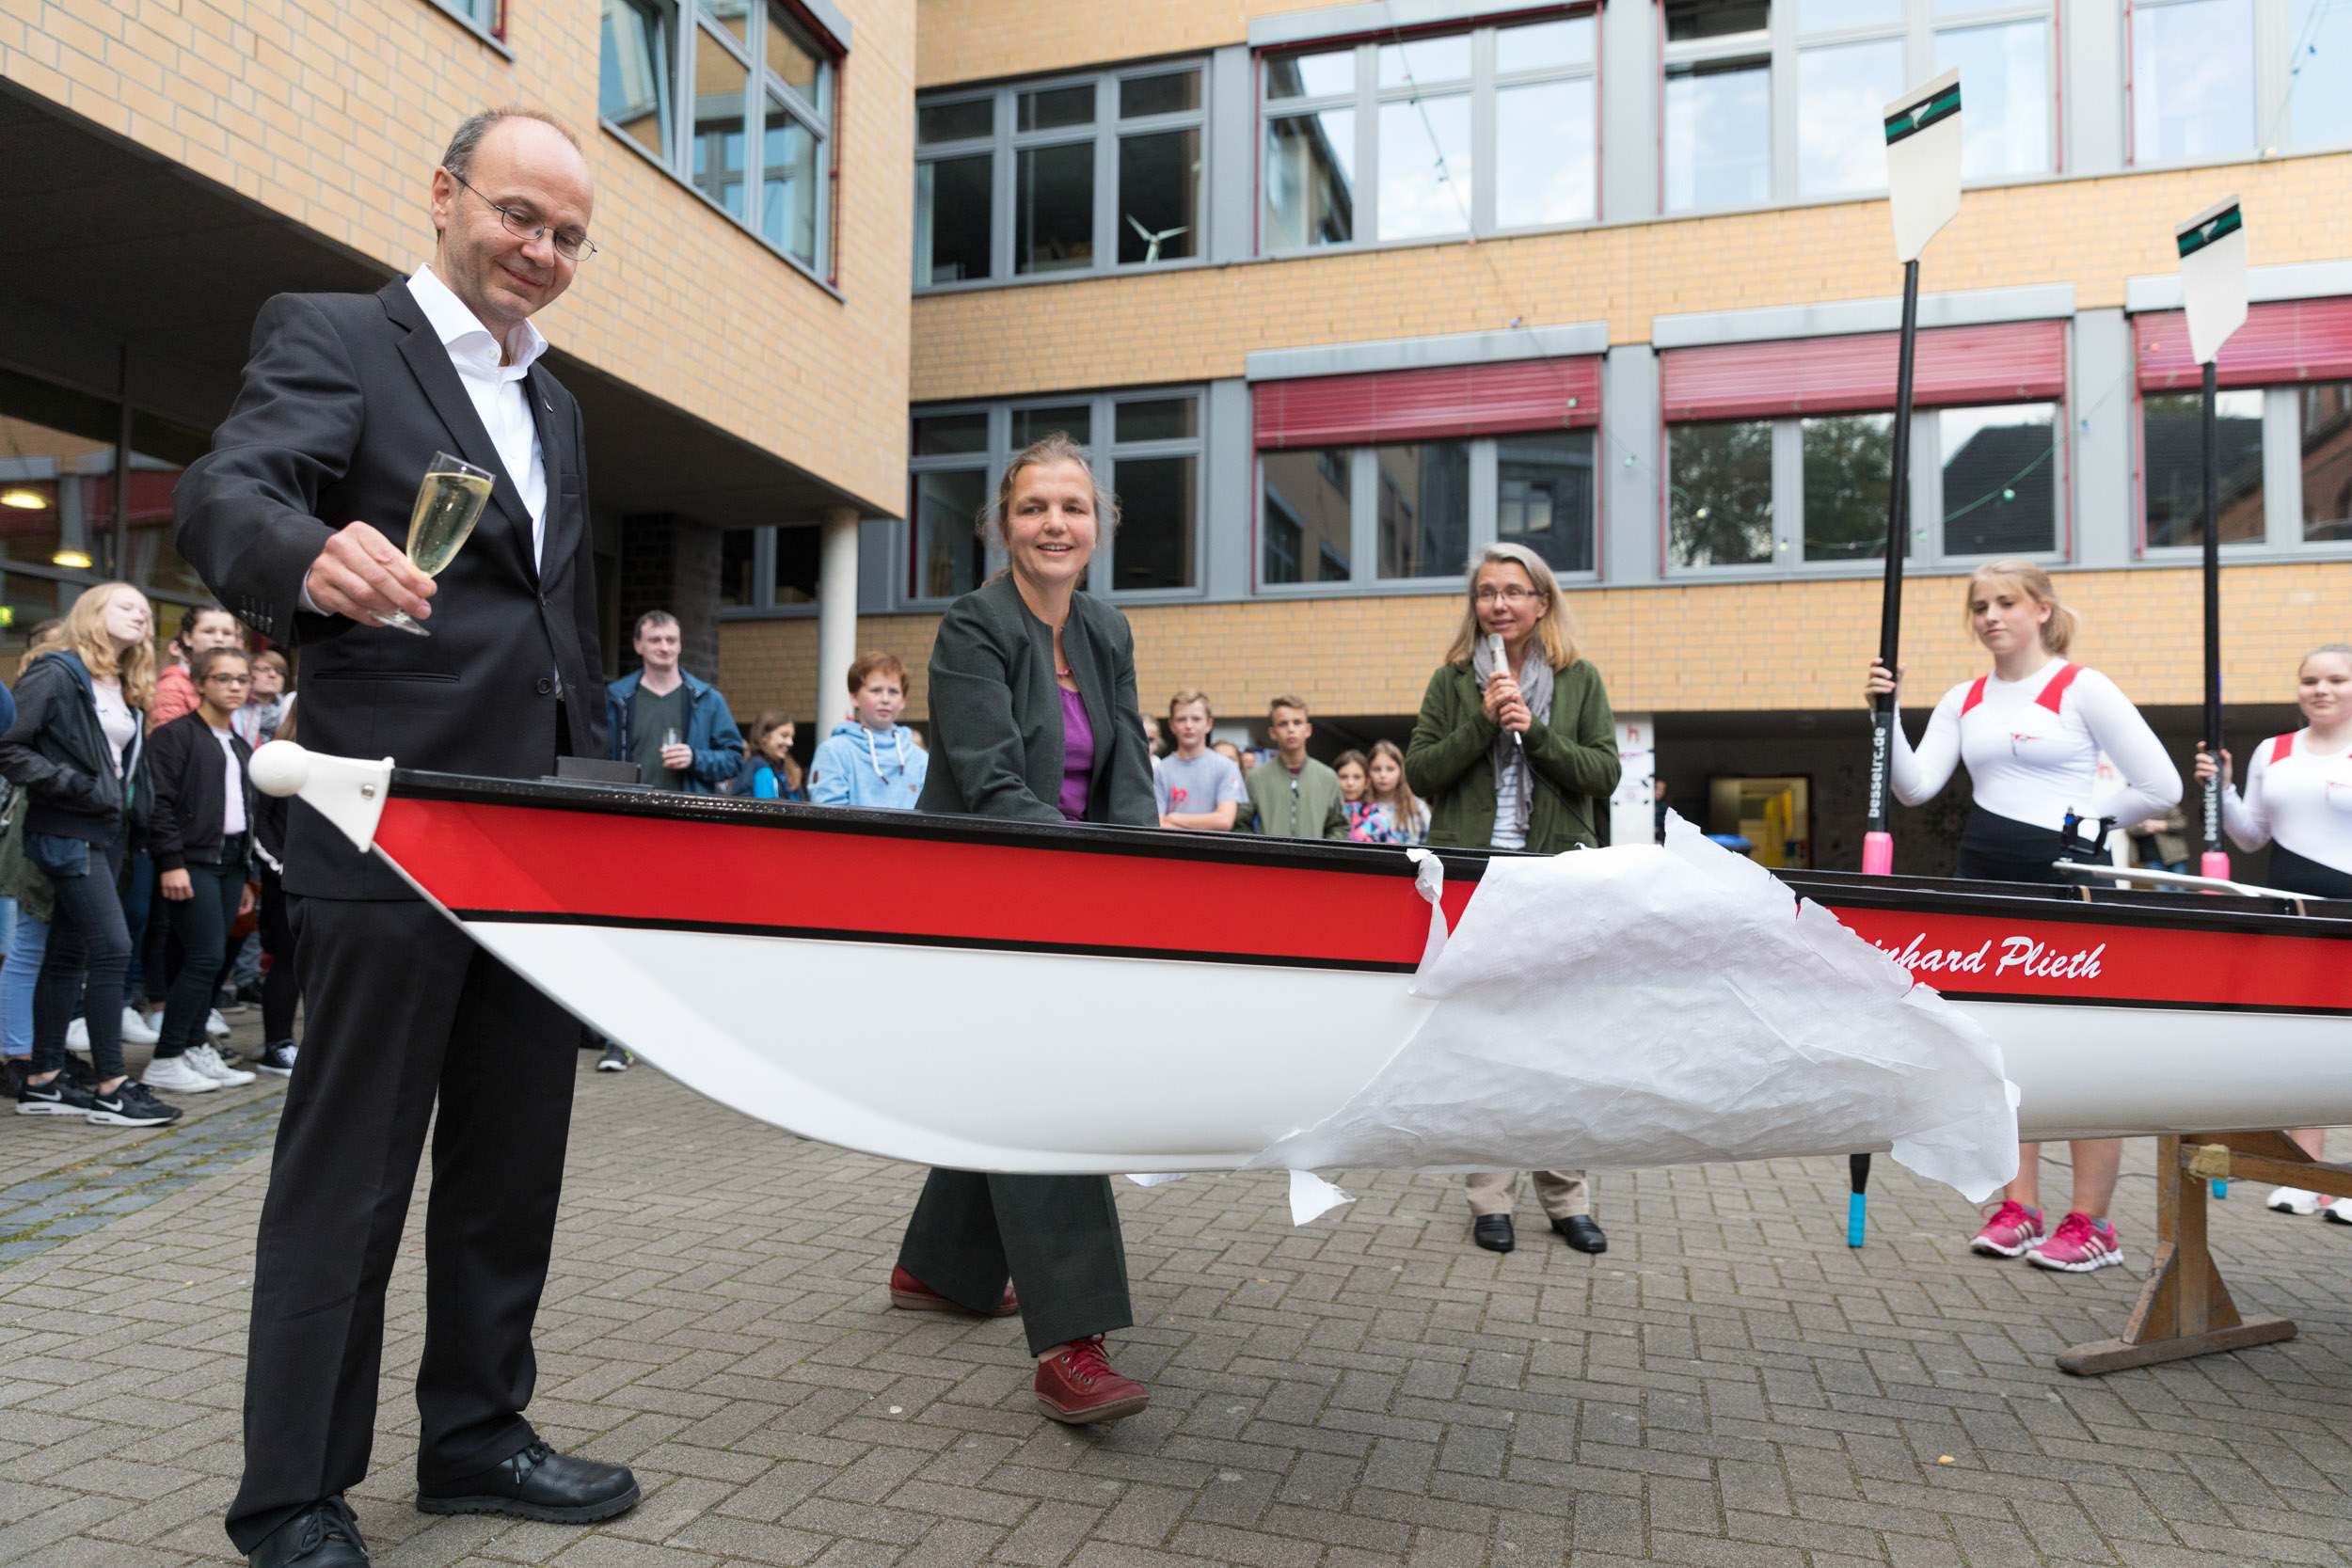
x=323, y=1535
x=1493, y=1232
x=538, y=1483
x=1579, y=1232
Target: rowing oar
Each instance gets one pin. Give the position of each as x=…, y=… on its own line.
x=1923, y=192
x=2213, y=291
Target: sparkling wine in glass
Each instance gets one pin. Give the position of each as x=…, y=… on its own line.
x=448, y=503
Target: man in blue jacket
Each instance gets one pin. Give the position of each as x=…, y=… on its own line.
x=674, y=727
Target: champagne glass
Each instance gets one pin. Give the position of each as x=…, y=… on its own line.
x=448, y=503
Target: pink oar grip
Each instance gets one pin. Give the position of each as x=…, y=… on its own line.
x=1878, y=854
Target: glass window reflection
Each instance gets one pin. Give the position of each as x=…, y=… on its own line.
x=2325, y=414
x=1719, y=134
x=633, y=74
x=788, y=184
x=953, y=202
x=1544, y=153
x=1720, y=499
x=2172, y=466
x=948, y=557
x=1543, y=496
x=1307, y=519
x=1159, y=196
x=2319, y=72
x=1848, y=458
x=2000, y=479
x=1317, y=75
x=1423, y=509
x=1421, y=62
x=1054, y=208
x=1310, y=180
x=2007, y=127
x=1842, y=93
x=1159, y=501
x=1425, y=167
x=720, y=82
x=2192, y=79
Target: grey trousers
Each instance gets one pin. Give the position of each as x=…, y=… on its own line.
x=1562, y=1193
x=1056, y=1237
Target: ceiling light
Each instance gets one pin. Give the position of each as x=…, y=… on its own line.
x=70, y=558
x=23, y=500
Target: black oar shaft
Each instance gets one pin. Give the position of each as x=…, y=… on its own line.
x=1898, y=527
x=2213, y=616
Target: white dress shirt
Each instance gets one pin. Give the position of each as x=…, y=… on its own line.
x=497, y=391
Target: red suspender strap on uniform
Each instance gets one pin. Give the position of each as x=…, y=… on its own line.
x=2055, y=693
x=1976, y=695
x=2281, y=748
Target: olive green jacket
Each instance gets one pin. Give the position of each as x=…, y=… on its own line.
x=1573, y=758
x=1316, y=809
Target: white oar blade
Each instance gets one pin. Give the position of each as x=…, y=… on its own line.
x=1923, y=162
x=2213, y=276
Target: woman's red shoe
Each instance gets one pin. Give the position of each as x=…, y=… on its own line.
x=914, y=1296
x=1079, y=1386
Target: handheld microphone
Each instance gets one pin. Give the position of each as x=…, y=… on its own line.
x=1494, y=651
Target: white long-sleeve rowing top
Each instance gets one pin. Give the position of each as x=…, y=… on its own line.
x=2296, y=796
x=2032, y=749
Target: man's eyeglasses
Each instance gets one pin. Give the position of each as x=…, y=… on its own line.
x=570, y=244
x=1512, y=596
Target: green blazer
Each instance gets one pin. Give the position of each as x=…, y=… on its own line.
x=1573, y=758
x=996, y=711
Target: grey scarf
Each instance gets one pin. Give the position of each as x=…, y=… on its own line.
x=1535, y=691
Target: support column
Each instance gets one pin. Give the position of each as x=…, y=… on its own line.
x=837, y=614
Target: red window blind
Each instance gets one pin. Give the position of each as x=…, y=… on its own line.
x=2001, y=363
x=1430, y=404
x=2292, y=340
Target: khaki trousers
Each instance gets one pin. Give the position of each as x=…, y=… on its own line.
x=1562, y=1193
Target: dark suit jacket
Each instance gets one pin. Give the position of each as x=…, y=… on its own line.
x=996, y=741
x=346, y=398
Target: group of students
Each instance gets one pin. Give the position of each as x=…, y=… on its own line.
x=2032, y=734
x=130, y=793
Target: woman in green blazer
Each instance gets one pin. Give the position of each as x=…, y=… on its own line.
x=1033, y=717
x=1516, y=754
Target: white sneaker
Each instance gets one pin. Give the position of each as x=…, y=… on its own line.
x=215, y=1023
x=77, y=1036
x=207, y=1061
x=2294, y=1200
x=2339, y=1211
x=177, y=1075
x=135, y=1028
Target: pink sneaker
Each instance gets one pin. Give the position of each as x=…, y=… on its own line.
x=2012, y=1229
x=2081, y=1245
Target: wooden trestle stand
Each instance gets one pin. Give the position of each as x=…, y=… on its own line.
x=2185, y=1309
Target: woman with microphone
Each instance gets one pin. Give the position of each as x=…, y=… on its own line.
x=2299, y=800
x=1514, y=745
x=2031, y=733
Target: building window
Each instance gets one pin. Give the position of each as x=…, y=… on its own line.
x=2172, y=467
x=2192, y=79
x=2318, y=113
x=1988, y=481
x=1407, y=511
x=1145, y=448
x=2324, y=418
x=486, y=17
x=1772, y=100
x=1097, y=173
x=761, y=87
x=1468, y=132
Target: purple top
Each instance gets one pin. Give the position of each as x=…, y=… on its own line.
x=1078, y=756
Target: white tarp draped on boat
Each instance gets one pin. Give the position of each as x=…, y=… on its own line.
x=1649, y=1006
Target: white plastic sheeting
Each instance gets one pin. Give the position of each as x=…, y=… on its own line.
x=1648, y=1007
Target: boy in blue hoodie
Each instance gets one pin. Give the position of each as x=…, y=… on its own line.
x=873, y=760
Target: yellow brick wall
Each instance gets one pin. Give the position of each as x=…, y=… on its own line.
x=972, y=40
x=1198, y=324
x=1708, y=647
x=333, y=113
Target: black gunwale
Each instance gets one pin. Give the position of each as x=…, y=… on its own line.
x=1835, y=889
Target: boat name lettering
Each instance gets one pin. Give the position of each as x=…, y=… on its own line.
x=2027, y=957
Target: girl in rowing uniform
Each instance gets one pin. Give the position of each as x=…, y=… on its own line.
x=2031, y=733
x=2299, y=800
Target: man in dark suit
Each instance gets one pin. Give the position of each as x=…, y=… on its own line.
x=297, y=519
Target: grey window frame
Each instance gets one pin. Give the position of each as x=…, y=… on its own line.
x=1927, y=552
x=1364, y=520
x=2282, y=489
x=1102, y=449
x=1368, y=96
x=1004, y=143
x=677, y=160
x=1781, y=44
x=492, y=34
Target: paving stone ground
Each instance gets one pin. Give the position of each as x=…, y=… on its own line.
x=1729, y=1385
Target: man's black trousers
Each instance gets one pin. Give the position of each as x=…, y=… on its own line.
x=402, y=1008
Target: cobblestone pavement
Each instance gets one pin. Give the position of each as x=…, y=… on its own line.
x=1729, y=1385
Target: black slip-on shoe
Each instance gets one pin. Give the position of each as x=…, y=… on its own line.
x=1493, y=1232
x=539, y=1483
x=323, y=1535
x=1579, y=1232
